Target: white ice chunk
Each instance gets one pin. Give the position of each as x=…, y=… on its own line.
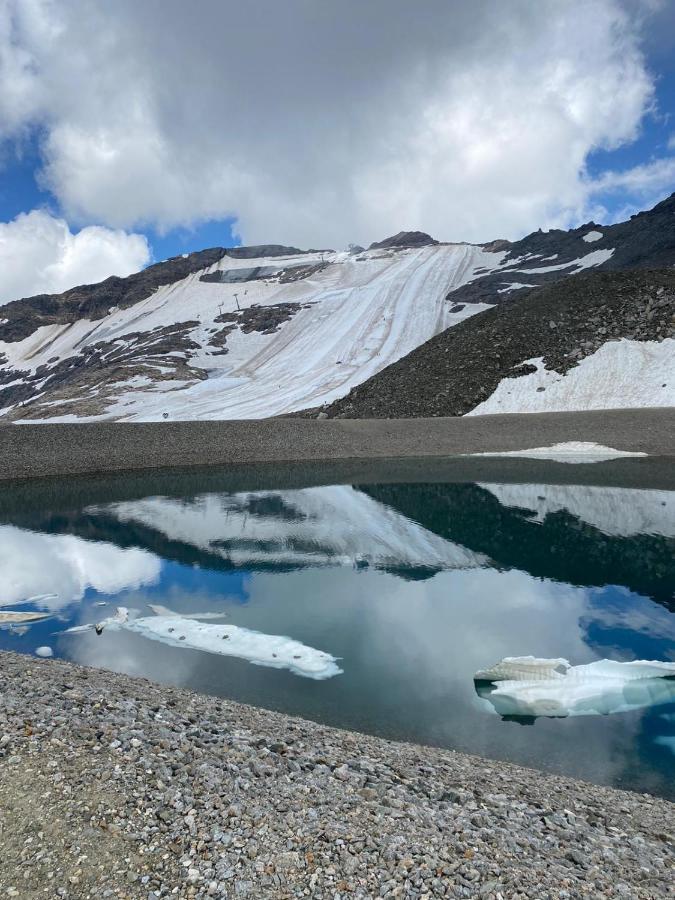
x=568, y=452
x=160, y=610
x=44, y=652
x=527, y=686
x=591, y=236
x=272, y=650
x=120, y=617
x=12, y=617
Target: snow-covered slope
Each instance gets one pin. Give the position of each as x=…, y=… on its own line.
x=309, y=328
x=252, y=332
x=601, y=340
x=620, y=375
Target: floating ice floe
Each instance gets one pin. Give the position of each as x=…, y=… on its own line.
x=44, y=652
x=258, y=648
x=13, y=617
x=164, y=611
x=183, y=631
x=568, y=452
x=120, y=618
x=527, y=686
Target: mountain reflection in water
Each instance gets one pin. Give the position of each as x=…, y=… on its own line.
x=412, y=587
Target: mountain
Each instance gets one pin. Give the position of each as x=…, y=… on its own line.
x=597, y=341
x=252, y=332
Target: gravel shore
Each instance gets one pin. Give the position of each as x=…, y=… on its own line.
x=115, y=787
x=31, y=451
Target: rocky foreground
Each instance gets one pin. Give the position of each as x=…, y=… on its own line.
x=114, y=787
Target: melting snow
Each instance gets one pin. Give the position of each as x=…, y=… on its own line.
x=527, y=686
x=596, y=258
x=514, y=286
x=272, y=650
x=184, y=632
x=591, y=236
x=620, y=375
x=568, y=452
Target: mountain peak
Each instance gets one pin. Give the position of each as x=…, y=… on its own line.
x=403, y=240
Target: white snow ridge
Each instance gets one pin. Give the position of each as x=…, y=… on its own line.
x=567, y=452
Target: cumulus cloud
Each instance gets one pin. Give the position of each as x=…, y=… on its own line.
x=61, y=568
x=39, y=254
x=320, y=123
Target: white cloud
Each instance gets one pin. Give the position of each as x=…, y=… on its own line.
x=64, y=567
x=39, y=254
x=324, y=123
x=652, y=178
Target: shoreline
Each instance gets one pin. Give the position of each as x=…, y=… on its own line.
x=113, y=783
x=38, y=451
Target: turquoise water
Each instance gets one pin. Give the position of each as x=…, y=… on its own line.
x=410, y=587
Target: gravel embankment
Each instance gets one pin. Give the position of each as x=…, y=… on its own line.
x=115, y=787
x=33, y=451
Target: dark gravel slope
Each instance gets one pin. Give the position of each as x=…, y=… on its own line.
x=563, y=322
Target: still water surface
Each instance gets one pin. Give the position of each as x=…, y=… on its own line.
x=412, y=588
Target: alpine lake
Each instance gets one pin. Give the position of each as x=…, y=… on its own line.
x=367, y=595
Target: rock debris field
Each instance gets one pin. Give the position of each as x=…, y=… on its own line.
x=114, y=787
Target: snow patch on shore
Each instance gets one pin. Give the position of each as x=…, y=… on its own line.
x=567, y=452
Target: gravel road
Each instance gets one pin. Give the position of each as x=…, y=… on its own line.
x=114, y=787
x=38, y=450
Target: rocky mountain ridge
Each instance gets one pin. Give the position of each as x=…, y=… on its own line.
x=562, y=325
x=250, y=332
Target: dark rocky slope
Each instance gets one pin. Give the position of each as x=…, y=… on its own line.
x=92, y=301
x=645, y=241
x=563, y=323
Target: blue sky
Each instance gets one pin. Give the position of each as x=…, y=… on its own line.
x=127, y=135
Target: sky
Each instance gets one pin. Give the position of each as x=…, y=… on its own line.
x=131, y=132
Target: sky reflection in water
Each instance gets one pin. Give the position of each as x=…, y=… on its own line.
x=414, y=587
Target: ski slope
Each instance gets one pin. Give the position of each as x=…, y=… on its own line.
x=358, y=314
